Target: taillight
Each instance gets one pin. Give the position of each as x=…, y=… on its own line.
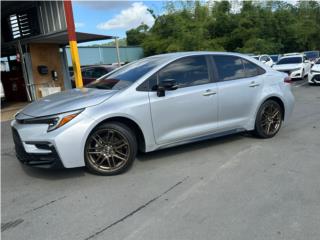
x=287, y=79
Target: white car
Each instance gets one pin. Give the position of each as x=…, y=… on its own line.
x=314, y=76
x=266, y=59
x=1, y=92
x=296, y=66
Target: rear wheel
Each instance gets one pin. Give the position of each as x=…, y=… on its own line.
x=110, y=149
x=269, y=119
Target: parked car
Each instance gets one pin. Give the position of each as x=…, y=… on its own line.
x=312, y=55
x=2, y=95
x=266, y=59
x=314, y=76
x=92, y=73
x=153, y=103
x=275, y=58
x=296, y=66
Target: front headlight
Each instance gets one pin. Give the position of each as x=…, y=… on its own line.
x=54, y=121
x=295, y=69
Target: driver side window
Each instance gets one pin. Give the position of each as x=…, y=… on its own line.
x=187, y=72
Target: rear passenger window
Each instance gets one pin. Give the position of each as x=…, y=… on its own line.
x=229, y=67
x=252, y=69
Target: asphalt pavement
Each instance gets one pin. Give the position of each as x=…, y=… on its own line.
x=235, y=187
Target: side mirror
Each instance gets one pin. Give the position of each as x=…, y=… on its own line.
x=166, y=85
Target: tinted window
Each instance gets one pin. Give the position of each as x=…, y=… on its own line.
x=189, y=71
x=98, y=72
x=126, y=75
x=87, y=73
x=274, y=58
x=229, y=67
x=252, y=69
x=291, y=60
x=318, y=62
x=264, y=58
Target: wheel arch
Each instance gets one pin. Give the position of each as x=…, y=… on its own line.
x=278, y=100
x=129, y=123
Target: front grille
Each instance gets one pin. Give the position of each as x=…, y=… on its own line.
x=287, y=72
x=47, y=160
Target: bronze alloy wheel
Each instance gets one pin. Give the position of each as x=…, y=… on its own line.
x=110, y=149
x=269, y=119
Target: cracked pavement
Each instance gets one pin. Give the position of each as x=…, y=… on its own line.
x=234, y=187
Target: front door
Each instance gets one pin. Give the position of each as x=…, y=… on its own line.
x=189, y=111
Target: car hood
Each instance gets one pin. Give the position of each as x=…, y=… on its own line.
x=287, y=66
x=67, y=101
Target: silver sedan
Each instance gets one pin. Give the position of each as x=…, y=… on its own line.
x=153, y=103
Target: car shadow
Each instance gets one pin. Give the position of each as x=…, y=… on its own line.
x=66, y=173
x=195, y=146
x=54, y=174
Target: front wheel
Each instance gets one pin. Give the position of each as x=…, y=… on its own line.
x=269, y=119
x=110, y=149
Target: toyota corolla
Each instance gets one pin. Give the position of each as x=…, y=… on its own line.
x=153, y=103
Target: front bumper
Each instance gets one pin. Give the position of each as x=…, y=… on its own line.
x=35, y=146
x=314, y=77
x=48, y=159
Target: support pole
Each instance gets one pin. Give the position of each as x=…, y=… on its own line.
x=73, y=43
x=118, y=51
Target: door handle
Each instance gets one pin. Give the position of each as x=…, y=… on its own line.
x=209, y=93
x=254, y=84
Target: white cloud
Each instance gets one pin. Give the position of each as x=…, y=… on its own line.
x=129, y=18
x=79, y=24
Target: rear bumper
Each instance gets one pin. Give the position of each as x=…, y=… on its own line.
x=40, y=160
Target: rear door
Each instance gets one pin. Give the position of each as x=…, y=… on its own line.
x=239, y=86
x=189, y=111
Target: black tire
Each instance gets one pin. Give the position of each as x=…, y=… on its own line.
x=264, y=121
x=99, y=146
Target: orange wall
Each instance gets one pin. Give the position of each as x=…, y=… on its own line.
x=48, y=55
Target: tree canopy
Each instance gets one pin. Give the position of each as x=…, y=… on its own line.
x=249, y=27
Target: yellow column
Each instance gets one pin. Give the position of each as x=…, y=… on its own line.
x=76, y=63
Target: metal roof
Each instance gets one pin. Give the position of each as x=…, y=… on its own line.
x=60, y=38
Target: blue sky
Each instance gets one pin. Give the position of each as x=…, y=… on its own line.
x=113, y=17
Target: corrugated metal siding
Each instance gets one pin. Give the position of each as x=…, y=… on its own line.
x=51, y=16
x=106, y=55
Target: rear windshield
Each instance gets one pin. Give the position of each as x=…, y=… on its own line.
x=291, y=60
x=126, y=75
x=312, y=55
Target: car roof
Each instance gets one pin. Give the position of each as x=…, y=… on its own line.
x=292, y=56
x=170, y=56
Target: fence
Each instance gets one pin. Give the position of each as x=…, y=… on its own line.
x=106, y=55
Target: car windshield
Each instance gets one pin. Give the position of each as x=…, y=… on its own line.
x=290, y=60
x=126, y=75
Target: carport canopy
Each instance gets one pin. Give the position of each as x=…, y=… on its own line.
x=60, y=38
